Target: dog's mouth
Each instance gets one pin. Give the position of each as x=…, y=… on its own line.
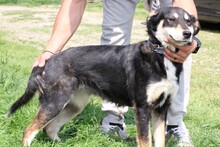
x=180, y=42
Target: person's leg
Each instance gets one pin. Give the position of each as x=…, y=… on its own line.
x=180, y=102
x=178, y=108
x=113, y=122
x=116, y=30
x=117, y=21
x=157, y=4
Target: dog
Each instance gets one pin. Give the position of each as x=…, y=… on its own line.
x=135, y=75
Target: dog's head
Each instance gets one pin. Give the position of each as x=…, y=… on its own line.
x=172, y=23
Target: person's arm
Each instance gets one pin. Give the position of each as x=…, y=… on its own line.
x=185, y=50
x=187, y=5
x=66, y=23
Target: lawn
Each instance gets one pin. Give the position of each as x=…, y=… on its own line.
x=22, y=39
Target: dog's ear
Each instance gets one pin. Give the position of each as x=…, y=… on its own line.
x=152, y=22
x=196, y=25
x=153, y=18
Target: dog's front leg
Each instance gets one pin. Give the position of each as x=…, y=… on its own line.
x=142, y=124
x=158, y=121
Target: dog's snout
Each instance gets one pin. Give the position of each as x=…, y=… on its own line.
x=187, y=34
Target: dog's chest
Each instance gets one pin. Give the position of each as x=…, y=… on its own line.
x=170, y=70
x=172, y=73
x=159, y=91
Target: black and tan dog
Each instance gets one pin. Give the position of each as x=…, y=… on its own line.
x=135, y=75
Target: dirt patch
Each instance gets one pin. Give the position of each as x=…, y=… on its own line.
x=25, y=29
x=37, y=27
x=34, y=26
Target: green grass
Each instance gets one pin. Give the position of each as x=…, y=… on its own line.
x=203, y=118
x=17, y=56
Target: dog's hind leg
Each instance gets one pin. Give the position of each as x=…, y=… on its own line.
x=143, y=126
x=43, y=116
x=50, y=106
x=71, y=110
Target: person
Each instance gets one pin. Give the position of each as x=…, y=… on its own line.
x=116, y=30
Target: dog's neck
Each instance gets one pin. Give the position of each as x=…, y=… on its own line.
x=160, y=43
x=154, y=40
x=155, y=47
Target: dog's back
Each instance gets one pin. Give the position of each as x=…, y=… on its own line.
x=109, y=70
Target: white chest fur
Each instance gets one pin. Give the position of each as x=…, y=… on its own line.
x=167, y=87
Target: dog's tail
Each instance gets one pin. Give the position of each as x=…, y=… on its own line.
x=35, y=83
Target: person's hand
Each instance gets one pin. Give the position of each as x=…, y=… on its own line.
x=41, y=60
x=182, y=54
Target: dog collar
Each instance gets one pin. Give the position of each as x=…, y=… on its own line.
x=159, y=50
x=156, y=48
